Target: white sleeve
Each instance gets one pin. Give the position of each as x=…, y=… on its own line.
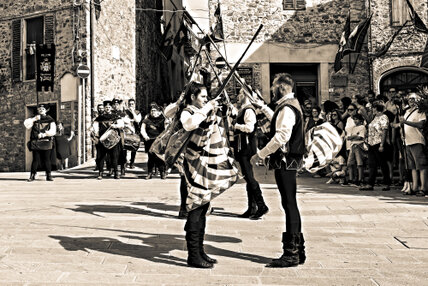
x=191, y=121
x=250, y=120
x=52, y=130
x=29, y=122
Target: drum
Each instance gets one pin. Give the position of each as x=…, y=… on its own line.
x=131, y=141
x=110, y=138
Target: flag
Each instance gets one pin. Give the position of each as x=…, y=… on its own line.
x=167, y=41
x=386, y=46
x=424, y=61
x=417, y=21
x=182, y=36
x=208, y=166
x=323, y=143
x=356, y=38
x=217, y=33
x=342, y=43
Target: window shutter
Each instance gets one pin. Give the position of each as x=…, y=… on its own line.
x=49, y=29
x=288, y=4
x=300, y=4
x=395, y=12
x=16, y=50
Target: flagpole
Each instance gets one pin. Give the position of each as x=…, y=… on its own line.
x=220, y=90
x=218, y=50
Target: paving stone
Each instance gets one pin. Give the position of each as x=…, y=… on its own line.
x=84, y=232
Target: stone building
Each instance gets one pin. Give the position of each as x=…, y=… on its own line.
x=117, y=40
x=400, y=67
x=299, y=37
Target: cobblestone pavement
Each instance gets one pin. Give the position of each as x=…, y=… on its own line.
x=81, y=231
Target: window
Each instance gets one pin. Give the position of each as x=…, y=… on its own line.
x=400, y=12
x=33, y=35
x=294, y=4
x=26, y=35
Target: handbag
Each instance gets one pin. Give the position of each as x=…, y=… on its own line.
x=40, y=144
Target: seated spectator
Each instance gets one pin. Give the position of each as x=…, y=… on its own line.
x=357, y=150
x=337, y=170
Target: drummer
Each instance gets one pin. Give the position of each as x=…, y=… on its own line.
x=134, y=117
x=118, y=110
x=101, y=124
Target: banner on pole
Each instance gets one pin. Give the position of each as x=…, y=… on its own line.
x=45, y=58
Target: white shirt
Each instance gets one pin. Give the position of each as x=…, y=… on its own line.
x=413, y=135
x=250, y=120
x=29, y=122
x=284, y=126
x=192, y=121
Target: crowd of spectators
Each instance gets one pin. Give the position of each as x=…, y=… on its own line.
x=385, y=131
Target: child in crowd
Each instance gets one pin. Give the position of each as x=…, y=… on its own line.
x=337, y=169
x=356, y=138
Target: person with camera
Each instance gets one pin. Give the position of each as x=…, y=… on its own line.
x=43, y=129
x=102, y=124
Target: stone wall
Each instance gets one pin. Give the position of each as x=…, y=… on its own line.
x=114, y=76
x=114, y=51
x=320, y=24
x=407, y=47
x=15, y=97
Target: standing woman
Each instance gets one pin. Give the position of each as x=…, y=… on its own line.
x=42, y=127
x=192, y=116
x=380, y=150
x=63, y=148
x=152, y=126
x=315, y=118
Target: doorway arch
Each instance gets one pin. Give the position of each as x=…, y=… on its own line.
x=403, y=78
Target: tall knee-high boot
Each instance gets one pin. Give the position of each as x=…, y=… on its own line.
x=302, y=252
x=290, y=257
x=194, y=258
x=201, y=245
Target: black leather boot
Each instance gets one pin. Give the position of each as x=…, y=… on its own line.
x=194, y=258
x=49, y=176
x=252, y=208
x=201, y=246
x=32, y=177
x=100, y=175
x=290, y=257
x=116, y=175
x=262, y=209
x=302, y=252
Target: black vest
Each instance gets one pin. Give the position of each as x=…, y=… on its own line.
x=296, y=144
x=105, y=121
x=245, y=143
x=41, y=126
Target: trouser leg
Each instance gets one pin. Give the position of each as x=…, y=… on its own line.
x=286, y=181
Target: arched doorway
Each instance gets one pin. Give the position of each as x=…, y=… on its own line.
x=403, y=78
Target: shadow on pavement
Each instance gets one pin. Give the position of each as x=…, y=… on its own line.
x=93, y=209
x=153, y=247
